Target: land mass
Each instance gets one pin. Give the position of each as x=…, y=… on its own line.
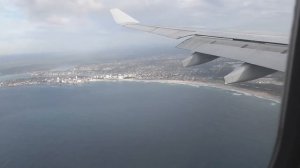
x=163, y=69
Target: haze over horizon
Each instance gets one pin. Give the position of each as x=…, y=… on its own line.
x=42, y=26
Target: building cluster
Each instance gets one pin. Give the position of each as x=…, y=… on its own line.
x=62, y=78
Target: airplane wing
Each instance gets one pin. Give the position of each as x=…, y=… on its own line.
x=262, y=54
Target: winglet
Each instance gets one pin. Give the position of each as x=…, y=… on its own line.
x=122, y=18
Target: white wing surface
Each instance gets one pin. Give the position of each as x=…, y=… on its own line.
x=261, y=54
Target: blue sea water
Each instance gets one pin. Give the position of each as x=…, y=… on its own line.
x=134, y=125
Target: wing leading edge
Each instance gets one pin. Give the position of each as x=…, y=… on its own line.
x=262, y=54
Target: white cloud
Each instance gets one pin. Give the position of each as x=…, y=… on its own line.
x=192, y=3
x=47, y=25
x=57, y=11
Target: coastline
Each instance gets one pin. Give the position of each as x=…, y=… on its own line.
x=238, y=91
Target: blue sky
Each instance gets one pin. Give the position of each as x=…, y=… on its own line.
x=42, y=26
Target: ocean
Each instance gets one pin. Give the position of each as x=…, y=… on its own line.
x=134, y=125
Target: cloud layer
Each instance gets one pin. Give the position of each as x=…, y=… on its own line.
x=56, y=11
x=85, y=25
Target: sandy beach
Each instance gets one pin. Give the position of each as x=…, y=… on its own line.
x=236, y=91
